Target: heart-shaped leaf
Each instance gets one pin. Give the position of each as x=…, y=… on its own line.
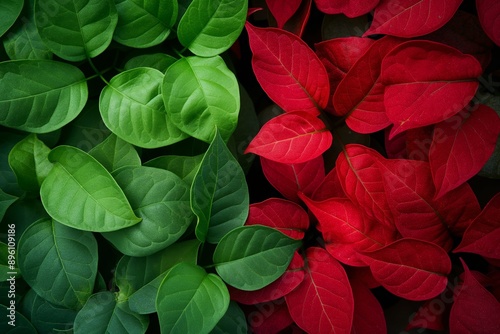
x=488, y=11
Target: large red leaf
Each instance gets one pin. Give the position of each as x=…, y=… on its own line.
x=462, y=146
x=283, y=10
x=291, y=138
x=323, y=302
x=489, y=16
x=411, y=268
x=411, y=18
x=288, y=70
x=270, y=317
x=285, y=216
x=329, y=187
x=289, y=179
x=475, y=309
x=426, y=83
x=349, y=8
x=368, y=313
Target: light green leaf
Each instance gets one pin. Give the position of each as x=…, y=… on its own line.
x=251, y=257
x=5, y=201
x=114, y=153
x=76, y=29
x=15, y=323
x=183, y=166
x=161, y=199
x=102, y=314
x=144, y=23
x=210, y=27
x=219, y=193
x=234, y=321
x=132, y=107
x=8, y=265
x=9, y=11
x=79, y=192
x=58, y=262
x=190, y=301
x=201, y=94
x=40, y=95
x=159, y=61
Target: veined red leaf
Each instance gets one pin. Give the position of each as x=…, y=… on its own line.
x=489, y=16
x=270, y=317
x=283, y=10
x=347, y=7
x=411, y=18
x=287, y=217
x=475, y=309
x=460, y=149
x=289, y=179
x=292, y=277
x=360, y=95
x=288, y=70
x=329, y=187
x=291, y=138
x=368, y=313
x=426, y=83
x=323, y=302
x=410, y=268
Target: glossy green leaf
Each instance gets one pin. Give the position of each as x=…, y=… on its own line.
x=114, y=153
x=191, y=301
x=79, y=192
x=251, y=257
x=210, y=27
x=159, y=61
x=29, y=161
x=5, y=202
x=40, y=95
x=58, y=262
x=102, y=314
x=14, y=322
x=144, y=23
x=183, y=166
x=161, y=199
x=8, y=264
x=233, y=321
x=132, y=107
x=201, y=94
x=76, y=29
x=219, y=193
x=9, y=11
x=138, y=278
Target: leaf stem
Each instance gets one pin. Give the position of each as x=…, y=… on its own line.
x=99, y=73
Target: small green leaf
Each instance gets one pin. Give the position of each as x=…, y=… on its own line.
x=159, y=61
x=191, y=301
x=58, y=262
x=114, y=153
x=76, y=29
x=219, y=193
x=15, y=322
x=79, y=192
x=132, y=107
x=251, y=257
x=233, y=321
x=161, y=199
x=183, y=166
x=40, y=95
x=144, y=23
x=210, y=27
x=5, y=201
x=9, y=11
x=201, y=94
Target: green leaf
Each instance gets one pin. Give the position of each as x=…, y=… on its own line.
x=219, y=193
x=159, y=61
x=40, y=95
x=132, y=107
x=29, y=161
x=14, y=322
x=8, y=265
x=201, y=94
x=114, y=153
x=79, y=192
x=183, y=166
x=233, y=321
x=22, y=213
x=138, y=278
x=9, y=12
x=190, y=301
x=251, y=257
x=161, y=199
x=102, y=314
x=210, y=27
x=76, y=29
x=5, y=202
x=144, y=23
x=8, y=180
x=58, y=262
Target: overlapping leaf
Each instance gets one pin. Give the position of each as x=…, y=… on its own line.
x=488, y=12
x=283, y=10
x=9, y=11
x=368, y=313
x=347, y=7
x=114, y=153
x=330, y=187
x=159, y=61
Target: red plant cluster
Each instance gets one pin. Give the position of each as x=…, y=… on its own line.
x=389, y=219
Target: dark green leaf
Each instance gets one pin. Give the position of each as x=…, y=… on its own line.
x=159, y=61
x=8, y=265
x=8, y=180
x=13, y=322
x=5, y=202
x=233, y=321
x=114, y=153
x=9, y=11
x=22, y=213
x=183, y=166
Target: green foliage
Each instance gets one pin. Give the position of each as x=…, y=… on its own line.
x=9, y=11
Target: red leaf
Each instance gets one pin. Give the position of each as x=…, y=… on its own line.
x=297, y=23
x=347, y=7
x=411, y=18
x=396, y=146
x=287, y=217
x=411, y=268
x=489, y=16
x=329, y=187
x=323, y=302
x=460, y=148
x=292, y=277
x=368, y=313
x=289, y=179
x=283, y=10
x=360, y=95
x=418, y=143
x=270, y=317
x=425, y=317
x=426, y=83
x=475, y=310
x=288, y=70
x=291, y=138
